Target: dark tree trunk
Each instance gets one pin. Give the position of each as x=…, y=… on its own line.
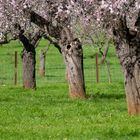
x=29, y=57
x=128, y=50
x=42, y=62
x=29, y=62
x=73, y=57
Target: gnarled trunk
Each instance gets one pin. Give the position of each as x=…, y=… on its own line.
x=128, y=51
x=130, y=60
x=129, y=56
x=42, y=63
x=29, y=62
x=132, y=87
x=73, y=57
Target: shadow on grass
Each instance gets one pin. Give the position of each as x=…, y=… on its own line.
x=106, y=96
x=53, y=76
x=7, y=99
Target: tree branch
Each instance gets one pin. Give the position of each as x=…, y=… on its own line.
x=36, y=38
x=36, y=18
x=53, y=41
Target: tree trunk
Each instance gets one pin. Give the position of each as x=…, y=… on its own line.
x=42, y=62
x=104, y=54
x=132, y=87
x=29, y=56
x=130, y=60
x=29, y=62
x=73, y=57
x=128, y=51
x=108, y=71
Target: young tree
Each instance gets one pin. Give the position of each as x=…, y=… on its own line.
x=42, y=68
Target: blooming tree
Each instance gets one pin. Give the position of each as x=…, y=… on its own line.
x=122, y=19
x=56, y=21
x=14, y=25
x=64, y=21
x=54, y=18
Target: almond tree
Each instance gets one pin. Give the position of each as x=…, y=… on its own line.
x=122, y=18
x=53, y=18
x=126, y=32
x=60, y=19
x=14, y=24
x=56, y=20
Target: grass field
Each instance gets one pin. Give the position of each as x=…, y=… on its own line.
x=55, y=68
x=49, y=114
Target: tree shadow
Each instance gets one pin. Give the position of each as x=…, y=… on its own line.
x=52, y=76
x=106, y=96
x=7, y=99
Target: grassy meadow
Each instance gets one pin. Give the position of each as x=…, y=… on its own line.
x=55, y=68
x=49, y=114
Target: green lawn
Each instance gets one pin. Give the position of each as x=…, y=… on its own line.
x=48, y=113
x=55, y=68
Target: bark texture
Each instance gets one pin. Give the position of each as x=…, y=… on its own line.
x=29, y=62
x=73, y=57
x=29, y=56
x=128, y=50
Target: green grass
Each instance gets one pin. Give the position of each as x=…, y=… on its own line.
x=48, y=113
x=55, y=68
